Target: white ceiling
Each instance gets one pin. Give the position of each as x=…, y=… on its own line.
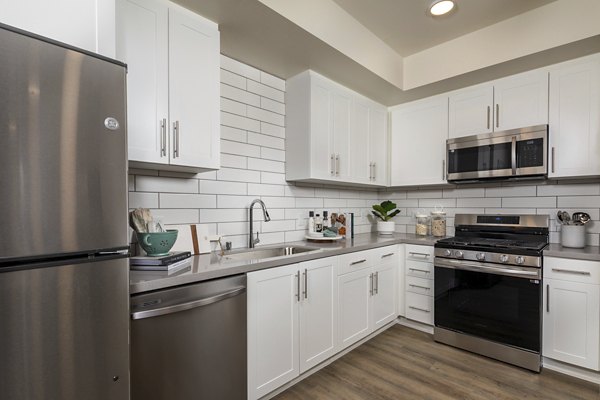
x=407, y=28
x=257, y=35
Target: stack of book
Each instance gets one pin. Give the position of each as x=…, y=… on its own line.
x=171, y=262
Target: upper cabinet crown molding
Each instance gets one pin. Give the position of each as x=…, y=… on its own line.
x=333, y=135
x=87, y=24
x=173, y=85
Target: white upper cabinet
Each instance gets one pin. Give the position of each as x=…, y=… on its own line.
x=88, y=24
x=418, y=142
x=514, y=102
x=378, y=145
x=173, y=85
x=575, y=118
x=329, y=131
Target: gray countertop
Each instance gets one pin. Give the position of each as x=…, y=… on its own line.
x=210, y=266
x=590, y=253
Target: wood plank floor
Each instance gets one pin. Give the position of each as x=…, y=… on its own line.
x=402, y=363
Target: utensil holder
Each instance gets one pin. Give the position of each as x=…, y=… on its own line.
x=572, y=236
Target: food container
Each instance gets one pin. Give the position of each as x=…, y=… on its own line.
x=572, y=236
x=438, y=223
x=422, y=224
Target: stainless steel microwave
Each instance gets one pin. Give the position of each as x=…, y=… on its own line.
x=515, y=153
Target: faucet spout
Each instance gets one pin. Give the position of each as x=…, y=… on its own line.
x=252, y=242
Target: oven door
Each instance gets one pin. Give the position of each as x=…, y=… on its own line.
x=489, y=301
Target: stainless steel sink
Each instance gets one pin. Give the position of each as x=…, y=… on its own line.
x=268, y=252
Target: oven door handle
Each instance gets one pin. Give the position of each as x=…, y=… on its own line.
x=496, y=269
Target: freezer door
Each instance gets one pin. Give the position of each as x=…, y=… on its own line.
x=64, y=332
x=63, y=150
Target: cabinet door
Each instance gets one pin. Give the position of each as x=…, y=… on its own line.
x=418, y=149
x=379, y=144
x=470, y=111
x=359, y=141
x=322, y=157
x=272, y=328
x=341, y=102
x=571, y=323
x=193, y=90
x=384, y=299
x=354, y=306
x=575, y=118
x=318, y=312
x=142, y=43
x=521, y=100
x=87, y=24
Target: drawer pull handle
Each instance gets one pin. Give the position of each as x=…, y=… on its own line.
x=568, y=271
x=387, y=255
x=419, y=254
x=357, y=262
x=419, y=309
x=417, y=286
x=420, y=270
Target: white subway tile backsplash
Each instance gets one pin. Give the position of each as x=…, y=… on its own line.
x=240, y=68
x=266, y=141
x=272, y=130
x=238, y=175
x=181, y=216
x=266, y=91
x=444, y=203
x=424, y=194
x=309, y=202
x=240, y=122
x=478, y=202
x=266, y=165
x=510, y=191
x=516, y=202
x=232, y=79
x=222, y=187
x=273, y=178
x=233, y=107
x=233, y=161
x=335, y=203
x=259, y=189
x=241, y=149
x=464, y=192
x=272, y=81
x=233, y=228
x=229, y=201
x=180, y=200
x=266, y=116
x=234, y=134
x=279, y=202
x=164, y=184
x=143, y=200
x=272, y=105
x=278, y=226
x=272, y=154
x=299, y=191
x=578, y=201
x=295, y=236
x=233, y=93
x=223, y=215
x=568, y=190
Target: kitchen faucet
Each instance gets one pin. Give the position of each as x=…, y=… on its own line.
x=253, y=241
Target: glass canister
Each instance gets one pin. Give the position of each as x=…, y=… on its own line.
x=422, y=224
x=438, y=223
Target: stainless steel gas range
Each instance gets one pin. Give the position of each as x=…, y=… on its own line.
x=488, y=289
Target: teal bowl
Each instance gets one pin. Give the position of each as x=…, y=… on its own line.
x=157, y=243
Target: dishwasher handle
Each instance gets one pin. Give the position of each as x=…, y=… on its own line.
x=187, y=305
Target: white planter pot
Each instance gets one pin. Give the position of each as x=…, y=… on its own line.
x=385, y=227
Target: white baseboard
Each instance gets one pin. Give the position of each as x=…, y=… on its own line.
x=571, y=370
x=415, y=325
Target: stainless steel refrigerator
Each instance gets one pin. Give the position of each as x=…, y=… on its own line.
x=64, y=328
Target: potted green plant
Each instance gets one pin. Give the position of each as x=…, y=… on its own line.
x=385, y=212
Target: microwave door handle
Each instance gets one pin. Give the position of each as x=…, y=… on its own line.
x=513, y=155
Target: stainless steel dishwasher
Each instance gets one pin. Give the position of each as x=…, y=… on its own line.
x=189, y=342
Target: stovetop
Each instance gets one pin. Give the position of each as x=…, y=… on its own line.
x=492, y=244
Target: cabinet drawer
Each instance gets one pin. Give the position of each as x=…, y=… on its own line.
x=565, y=269
x=419, y=285
x=388, y=254
x=419, y=308
x=355, y=261
x=419, y=269
x=419, y=253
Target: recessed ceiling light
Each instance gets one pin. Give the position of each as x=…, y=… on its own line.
x=441, y=7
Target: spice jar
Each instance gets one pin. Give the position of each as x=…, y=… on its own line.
x=422, y=225
x=438, y=223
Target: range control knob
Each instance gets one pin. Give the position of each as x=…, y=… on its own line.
x=458, y=254
x=520, y=260
x=447, y=253
x=480, y=256
x=504, y=258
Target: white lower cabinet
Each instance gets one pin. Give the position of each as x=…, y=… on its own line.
x=418, y=284
x=367, y=296
x=571, y=327
x=292, y=322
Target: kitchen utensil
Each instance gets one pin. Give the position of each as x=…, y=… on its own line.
x=559, y=216
x=564, y=217
x=581, y=218
x=139, y=219
x=157, y=243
